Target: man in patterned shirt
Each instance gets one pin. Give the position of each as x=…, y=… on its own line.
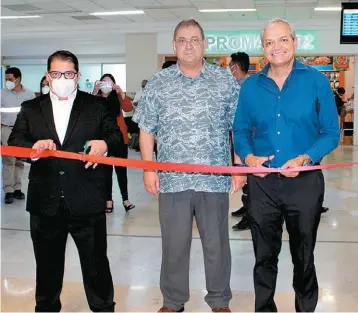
x=191, y=106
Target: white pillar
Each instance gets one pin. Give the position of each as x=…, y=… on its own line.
x=355, y=132
x=141, y=59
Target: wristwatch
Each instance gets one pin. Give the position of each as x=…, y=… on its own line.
x=306, y=159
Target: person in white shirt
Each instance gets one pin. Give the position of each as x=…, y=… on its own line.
x=67, y=196
x=138, y=94
x=11, y=98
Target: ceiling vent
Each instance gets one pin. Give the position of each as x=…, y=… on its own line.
x=21, y=7
x=86, y=18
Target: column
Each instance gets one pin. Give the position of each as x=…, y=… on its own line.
x=141, y=59
x=355, y=121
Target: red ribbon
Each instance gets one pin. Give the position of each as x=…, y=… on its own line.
x=162, y=166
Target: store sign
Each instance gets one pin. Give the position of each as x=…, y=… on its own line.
x=227, y=42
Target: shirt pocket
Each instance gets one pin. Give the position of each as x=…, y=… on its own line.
x=301, y=109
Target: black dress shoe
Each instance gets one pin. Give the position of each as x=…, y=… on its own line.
x=323, y=210
x=239, y=212
x=165, y=309
x=242, y=225
x=9, y=198
x=19, y=195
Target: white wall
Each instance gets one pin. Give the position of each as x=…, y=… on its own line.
x=349, y=77
x=79, y=46
x=141, y=59
x=82, y=59
x=355, y=133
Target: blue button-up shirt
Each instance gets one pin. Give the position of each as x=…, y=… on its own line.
x=192, y=118
x=299, y=119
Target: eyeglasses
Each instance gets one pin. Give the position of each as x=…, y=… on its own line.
x=58, y=75
x=193, y=41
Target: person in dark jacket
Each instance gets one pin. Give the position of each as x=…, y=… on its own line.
x=68, y=196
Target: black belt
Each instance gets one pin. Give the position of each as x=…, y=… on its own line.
x=280, y=175
x=7, y=126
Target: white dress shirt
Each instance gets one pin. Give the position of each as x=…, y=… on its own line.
x=61, y=113
x=137, y=96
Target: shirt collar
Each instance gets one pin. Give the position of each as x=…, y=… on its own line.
x=23, y=89
x=242, y=80
x=297, y=65
x=204, y=69
x=71, y=97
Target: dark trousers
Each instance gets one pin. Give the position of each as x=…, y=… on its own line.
x=122, y=177
x=49, y=237
x=132, y=126
x=297, y=201
x=244, y=196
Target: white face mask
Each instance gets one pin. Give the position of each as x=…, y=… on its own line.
x=107, y=88
x=63, y=87
x=10, y=85
x=45, y=90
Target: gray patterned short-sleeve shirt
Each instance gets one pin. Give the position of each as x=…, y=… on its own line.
x=191, y=118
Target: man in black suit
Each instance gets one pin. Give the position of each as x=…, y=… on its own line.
x=67, y=196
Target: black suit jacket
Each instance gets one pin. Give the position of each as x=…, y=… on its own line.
x=50, y=178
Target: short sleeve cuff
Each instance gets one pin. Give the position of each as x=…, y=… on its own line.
x=144, y=125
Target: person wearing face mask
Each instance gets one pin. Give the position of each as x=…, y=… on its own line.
x=116, y=99
x=68, y=196
x=239, y=67
x=135, y=128
x=44, y=86
x=11, y=98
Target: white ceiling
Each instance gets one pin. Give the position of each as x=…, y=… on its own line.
x=68, y=21
x=73, y=14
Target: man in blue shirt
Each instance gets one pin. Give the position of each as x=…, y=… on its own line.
x=286, y=118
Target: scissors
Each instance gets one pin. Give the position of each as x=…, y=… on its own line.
x=85, y=148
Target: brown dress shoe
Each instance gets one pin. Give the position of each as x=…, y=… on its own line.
x=221, y=310
x=165, y=309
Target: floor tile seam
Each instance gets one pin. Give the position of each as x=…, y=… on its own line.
x=195, y=238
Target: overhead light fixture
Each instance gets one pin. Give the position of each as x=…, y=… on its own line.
x=17, y=17
x=328, y=9
x=226, y=10
x=136, y=12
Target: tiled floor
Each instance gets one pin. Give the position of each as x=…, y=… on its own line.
x=134, y=248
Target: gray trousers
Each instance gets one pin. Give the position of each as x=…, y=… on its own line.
x=176, y=212
x=12, y=168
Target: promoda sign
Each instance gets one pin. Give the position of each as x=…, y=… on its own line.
x=227, y=42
